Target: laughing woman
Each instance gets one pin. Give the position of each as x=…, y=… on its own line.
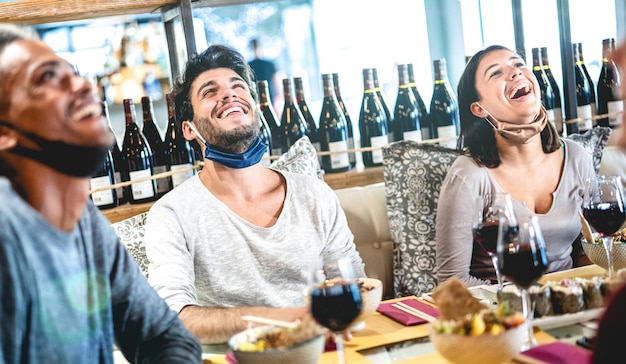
x=508, y=146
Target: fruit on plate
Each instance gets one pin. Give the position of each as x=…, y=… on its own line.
x=486, y=321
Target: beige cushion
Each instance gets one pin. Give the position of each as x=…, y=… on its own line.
x=367, y=217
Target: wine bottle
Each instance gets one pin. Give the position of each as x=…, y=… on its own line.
x=104, y=177
x=309, y=121
x=609, y=84
x=583, y=95
x=333, y=132
x=379, y=93
x=267, y=110
x=592, y=88
x=178, y=150
x=266, y=138
x=406, y=113
x=138, y=156
x=444, y=109
x=373, y=124
x=547, y=93
x=558, y=110
x=342, y=105
x=426, y=133
x=292, y=122
x=160, y=158
x=119, y=164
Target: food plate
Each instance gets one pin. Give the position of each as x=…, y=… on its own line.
x=551, y=322
x=485, y=293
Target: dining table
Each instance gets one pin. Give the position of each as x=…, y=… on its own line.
x=384, y=340
x=382, y=334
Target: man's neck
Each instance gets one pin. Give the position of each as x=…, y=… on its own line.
x=59, y=198
x=245, y=182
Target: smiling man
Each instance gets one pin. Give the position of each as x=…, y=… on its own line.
x=238, y=238
x=69, y=289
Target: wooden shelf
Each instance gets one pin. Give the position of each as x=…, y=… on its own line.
x=359, y=177
x=29, y=12
x=336, y=181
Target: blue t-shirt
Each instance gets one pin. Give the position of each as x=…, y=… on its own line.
x=69, y=297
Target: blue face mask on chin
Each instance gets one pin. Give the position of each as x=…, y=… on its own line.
x=252, y=156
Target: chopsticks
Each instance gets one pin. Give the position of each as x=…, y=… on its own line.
x=412, y=311
x=267, y=321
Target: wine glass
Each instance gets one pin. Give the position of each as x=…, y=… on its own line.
x=603, y=207
x=335, y=299
x=523, y=261
x=489, y=210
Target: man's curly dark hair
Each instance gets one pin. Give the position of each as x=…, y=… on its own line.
x=215, y=56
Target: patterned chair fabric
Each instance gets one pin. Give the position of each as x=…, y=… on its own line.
x=413, y=174
x=593, y=141
x=131, y=232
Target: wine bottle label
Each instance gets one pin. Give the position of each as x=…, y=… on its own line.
x=425, y=133
x=415, y=135
x=378, y=142
x=448, y=131
x=551, y=119
x=558, y=120
x=594, y=112
x=119, y=190
x=265, y=160
x=615, y=107
x=339, y=160
x=162, y=183
x=178, y=178
x=141, y=190
x=351, y=156
x=318, y=148
x=277, y=151
x=101, y=197
x=584, y=114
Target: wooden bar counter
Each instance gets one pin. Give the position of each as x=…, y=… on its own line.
x=357, y=177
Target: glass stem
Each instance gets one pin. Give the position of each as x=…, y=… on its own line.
x=607, y=241
x=496, y=267
x=339, y=344
x=528, y=312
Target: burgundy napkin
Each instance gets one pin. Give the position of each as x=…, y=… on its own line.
x=404, y=318
x=555, y=353
x=230, y=358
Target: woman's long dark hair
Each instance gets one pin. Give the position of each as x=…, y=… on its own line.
x=477, y=135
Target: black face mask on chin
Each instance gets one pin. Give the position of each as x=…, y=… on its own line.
x=71, y=159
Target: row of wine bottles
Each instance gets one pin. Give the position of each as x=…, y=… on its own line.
x=592, y=99
x=333, y=133
x=144, y=153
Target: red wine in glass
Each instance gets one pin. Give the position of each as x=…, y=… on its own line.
x=605, y=217
x=524, y=266
x=523, y=260
x=486, y=234
x=335, y=305
x=604, y=209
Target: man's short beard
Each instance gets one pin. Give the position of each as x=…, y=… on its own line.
x=237, y=140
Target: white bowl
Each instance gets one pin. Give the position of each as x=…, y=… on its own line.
x=597, y=254
x=371, y=299
x=479, y=349
x=307, y=352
